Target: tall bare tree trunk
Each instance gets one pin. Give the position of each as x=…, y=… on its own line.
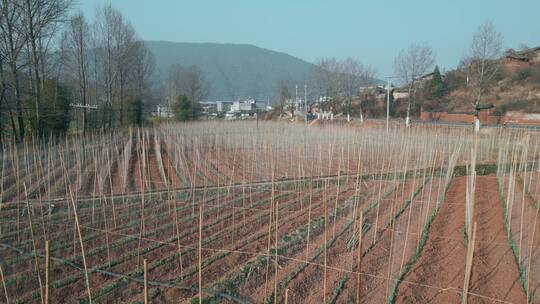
x=12, y=62
x=408, y=118
x=32, y=39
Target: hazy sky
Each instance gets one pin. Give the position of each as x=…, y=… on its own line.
x=373, y=31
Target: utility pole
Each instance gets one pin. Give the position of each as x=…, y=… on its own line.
x=387, y=105
x=305, y=102
x=295, y=103
x=296, y=95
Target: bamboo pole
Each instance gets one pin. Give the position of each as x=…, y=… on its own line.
x=286, y=295
x=4, y=285
x=359, y=258
x=177, y=224
x=309, y=218
x=468, y=265
x=276, y=263
x=531, y=257
x=200, y=253
x=142, y=171
x=80, y=236
x=325, y=238
x=34, y=245
x=47, y=265
x=103, y=208
x=145, y=266
x=271, y=219
x=337, y=193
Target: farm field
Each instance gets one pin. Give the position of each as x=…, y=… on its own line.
x=267, y=212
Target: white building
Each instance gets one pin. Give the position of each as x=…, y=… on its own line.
x=163, y=111
x=243, y=106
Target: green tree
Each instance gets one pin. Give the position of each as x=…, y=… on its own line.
x=54, y=110
x=436, y=87
x=185, y=109
x=135, y=111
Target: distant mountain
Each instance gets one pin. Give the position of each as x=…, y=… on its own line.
x=233, y=70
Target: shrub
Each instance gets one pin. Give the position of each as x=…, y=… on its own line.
x=54, y=110
x=455, y=80
x=134, y=111
x=535, y=74
x=185, y=109
x=522, y=75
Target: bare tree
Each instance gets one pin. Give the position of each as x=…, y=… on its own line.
x=3, y=89
x=328, y=77
x=125, y=49
x=76, y=41
x=354, y=75
x=340, y=81
x=106, y=20
x=12, y=41
x=409, y=66
x=484, y=55
x=144, y=66
x=195, y=84
x=283, y=95
x=190, y=82
x=41, y=19
x=118, y=47
x=174, y=82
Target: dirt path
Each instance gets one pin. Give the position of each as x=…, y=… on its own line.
x=441, y=262
x=533, y=198
x=494, y=272
x=154, y=178
x=441, y=265
x=522, y=225
x=375, y=264
x=308, y=285
x=168, y=166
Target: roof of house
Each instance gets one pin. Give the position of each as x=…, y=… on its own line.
x=427, y=75
x=526, y=54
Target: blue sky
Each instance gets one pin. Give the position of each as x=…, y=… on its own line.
x=372, y=31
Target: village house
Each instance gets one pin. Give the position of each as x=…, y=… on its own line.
x=515, y=61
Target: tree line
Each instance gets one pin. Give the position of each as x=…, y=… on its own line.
x=338, y=84
x=55, y=65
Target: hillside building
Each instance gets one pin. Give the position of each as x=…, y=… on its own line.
x=516, y=61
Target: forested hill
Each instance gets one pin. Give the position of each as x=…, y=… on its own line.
x=233, y=70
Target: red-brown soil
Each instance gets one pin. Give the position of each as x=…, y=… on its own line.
x=445, y=242
x=494, y=272
x=437, y=276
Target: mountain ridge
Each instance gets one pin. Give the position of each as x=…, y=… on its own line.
x=234, y=70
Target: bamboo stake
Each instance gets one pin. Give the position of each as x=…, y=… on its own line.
x=4, y=284
x=337, y=194
x=524, y=159
x=359, y=257
x=309, y=218
x=276, y=263
x=468, y=265
x=286, y=295
x=271, y=217
x=531, y=257
x=375, y=230
x=200, y=252
x=325, y=237
x=80, y=237
x=34, y=245
x=103, y=208
x=142, y=176
x=145, y=266
x=47, y=262
x=177, y=224
x=2, y=184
